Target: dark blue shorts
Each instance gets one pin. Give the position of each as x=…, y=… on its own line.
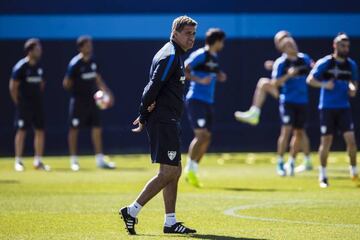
x=293, y=114
x=30, y=115
x=200, y=114
x=83, y=114
x=332, y=120
x=164, y=138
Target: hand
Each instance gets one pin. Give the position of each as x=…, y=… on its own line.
x=329, y=85
x=151, y=107
x=221, y=77
x=111, y=99
x=140, y=125
x=268, y=65
x=293, y=71
x=206, y=80
x=352, y=89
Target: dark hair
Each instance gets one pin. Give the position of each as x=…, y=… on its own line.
x=213, y=35
x=30, y=44
x=82, y=40
x=180, y=22
x=341, y=36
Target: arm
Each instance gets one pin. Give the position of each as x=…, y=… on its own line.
x=292, y=72
x=312, y=81
x=14, y=90
x=67, y=83
x=192, y=77
x=353, y=84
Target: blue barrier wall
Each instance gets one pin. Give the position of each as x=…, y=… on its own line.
x=128, y=34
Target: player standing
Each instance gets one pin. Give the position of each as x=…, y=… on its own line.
x=166, y=88
x=26, y=89
x=337, y=77
x=83, y=80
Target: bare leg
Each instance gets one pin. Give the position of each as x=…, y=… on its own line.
x=263, y=87
x=305, y=144
x=170, y=194
x=19, y=142
x=325, y=145
x=72, y=140
x=283, y=139
x=96, y=135
x=351, y=148
x=296, y=141
x=39, y=142
x=199, y=144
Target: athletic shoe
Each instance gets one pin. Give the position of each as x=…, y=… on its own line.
x=290, y=168
x=75, y=166
x=249, y=117
x=324, y=183
x=192, y=179
x=280, y=169
x=178, y=228
x=306, y=166
x=105, y=163
x=355, y=178
x=19, y=167
x=128, y=220
x=42, y=166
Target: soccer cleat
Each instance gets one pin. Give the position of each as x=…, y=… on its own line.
x=280, y=169
x=192, y=179
x=355, y=178
x=249, y=117
x=19, y=167
x=306, y=166
x=324, y=183
x=105, y=163
x=75, y=166
x=128, y=220
x=42, y=166
x=290, y=168
x=178, y=228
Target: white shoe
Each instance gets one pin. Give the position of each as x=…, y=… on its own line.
x=105, y=163
x=75, y=167
x=290, y=168
x=247, y=117
x=19, y=167
x=42, y=166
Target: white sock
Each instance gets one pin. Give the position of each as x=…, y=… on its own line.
x=307, y=159
x=353, y=171
x=322, y=172
x=291, y=160
x=37, y=160
x=170, y=219
x=255, y=110
x=18, y=159
x=99, y=158
x=134, y=209
x=191, y=165
x=73, y=159
x=280, y=159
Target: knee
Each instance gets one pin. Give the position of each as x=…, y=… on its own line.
x=263, y=83
x=204, y=137
x=170, y=174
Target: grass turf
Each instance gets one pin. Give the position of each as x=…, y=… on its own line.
x=242, y=198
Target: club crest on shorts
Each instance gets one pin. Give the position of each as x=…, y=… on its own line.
x=323, y=129
x=171, y=155
x=201, y=122
x=286, y=119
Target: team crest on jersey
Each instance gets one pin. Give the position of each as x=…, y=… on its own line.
x=201, y=122
x=40, y=71
x=93, y=66
x=323, y=129
x=171, y=155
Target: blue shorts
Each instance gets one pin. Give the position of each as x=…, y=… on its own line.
x=30, y=115
x=83, y=114
x=164, y=138
x=336, y=119
x=200, y=114
x=293, y=114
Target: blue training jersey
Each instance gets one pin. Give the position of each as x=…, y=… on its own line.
x=295, y=89
x=328, y=68
x=202, y=63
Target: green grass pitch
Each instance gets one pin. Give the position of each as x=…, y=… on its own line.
x=242, y=198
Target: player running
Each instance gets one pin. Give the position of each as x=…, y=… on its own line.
x=203, y=70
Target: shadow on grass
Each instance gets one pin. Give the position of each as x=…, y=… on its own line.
x=245, y=189
x=200, y=236
x=9, y=182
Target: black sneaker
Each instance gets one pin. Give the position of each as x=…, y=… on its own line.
x=178, y=228
x=324, y=183
x=128, y=220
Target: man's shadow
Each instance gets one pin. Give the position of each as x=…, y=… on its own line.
x=219, y=237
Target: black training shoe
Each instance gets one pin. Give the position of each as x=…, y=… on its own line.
x=324, y=183
x=178, y=228
x=128, y=220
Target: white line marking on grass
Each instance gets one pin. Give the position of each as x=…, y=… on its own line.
x=233, y=212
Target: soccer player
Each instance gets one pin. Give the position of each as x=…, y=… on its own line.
x=83, y=80
x=291, y=79
x=26, y=90
x=166, y=90
x=336, y=75
x=203, y=70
